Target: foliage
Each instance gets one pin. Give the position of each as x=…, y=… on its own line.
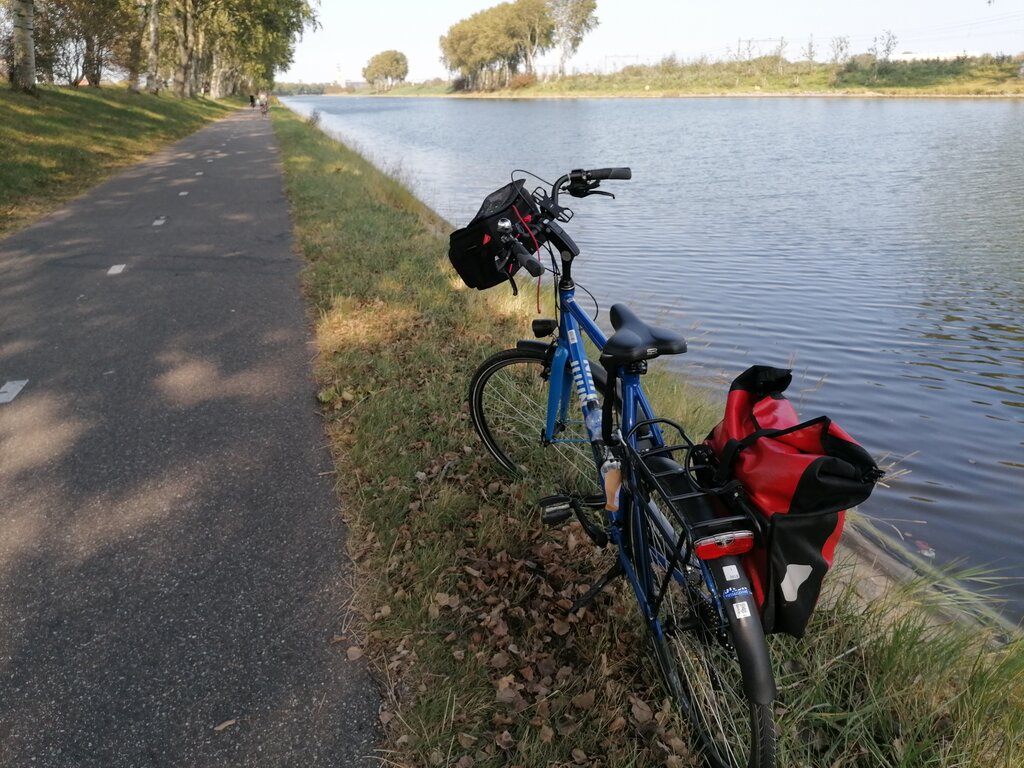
x=489, y=47
x=224, y=46
x=573, y=19
x=386, y=69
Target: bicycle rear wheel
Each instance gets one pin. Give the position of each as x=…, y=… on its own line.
x=508, y=399
x=714, y=666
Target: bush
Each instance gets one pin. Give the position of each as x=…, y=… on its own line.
x=522, y=81
x=314, y=119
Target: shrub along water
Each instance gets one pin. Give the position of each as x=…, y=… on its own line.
x=463, y=595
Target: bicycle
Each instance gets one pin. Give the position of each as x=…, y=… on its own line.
x=633, y=480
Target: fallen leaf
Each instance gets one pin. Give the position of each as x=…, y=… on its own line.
x=641, y=711
x=465, y=762
x=546, y=734
x=584, y=701
x=617, y=724
x=466, y=741
x=507, y=695
x=500, y=660
x=560, y=628
x=226, y=724
x=579, y=757
x=678, y=746
x=354, y=652
x=505, y=740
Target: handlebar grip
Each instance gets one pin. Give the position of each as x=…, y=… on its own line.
x=525, y=259
x=599, y=174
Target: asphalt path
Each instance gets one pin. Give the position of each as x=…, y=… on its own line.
x=173, y=590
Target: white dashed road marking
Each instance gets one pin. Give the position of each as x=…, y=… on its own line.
x=199, y=173
x=183, y=194
x=159, y=222
x=10, y=390
x=117, y=269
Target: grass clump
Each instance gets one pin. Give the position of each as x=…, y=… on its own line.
x=464, y=595
x=66, y=140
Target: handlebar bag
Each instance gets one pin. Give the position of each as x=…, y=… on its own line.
x=476, y=250
x=799, y=477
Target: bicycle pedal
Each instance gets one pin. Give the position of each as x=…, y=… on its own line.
x=555, y=510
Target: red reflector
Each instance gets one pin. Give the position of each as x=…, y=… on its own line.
x=528, y=218
x=736, y=543
x=487, y=238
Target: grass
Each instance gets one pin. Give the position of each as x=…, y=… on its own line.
x=463, y=595
x=771, y=75
x=66, y=140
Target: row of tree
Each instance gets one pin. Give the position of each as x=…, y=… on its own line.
x=490, y=47
x=215, y=46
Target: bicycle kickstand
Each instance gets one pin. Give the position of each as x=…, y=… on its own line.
x=588, y=597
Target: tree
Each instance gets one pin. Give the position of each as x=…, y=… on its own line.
x=386, y=68
x=810, y=50
x=573, y=19
x=840, y=49
x=24, y=70
x=488, y=48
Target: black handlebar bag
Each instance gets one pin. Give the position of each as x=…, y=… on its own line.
x=476, y=250
x=799, y=477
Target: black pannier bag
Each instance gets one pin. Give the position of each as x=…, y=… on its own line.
x=799, y=478
x=476, y=250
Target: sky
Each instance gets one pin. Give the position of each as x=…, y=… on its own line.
x=644, y=31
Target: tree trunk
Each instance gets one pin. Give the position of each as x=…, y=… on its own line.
x=135, y=46
x=24, y=46
x=92, y=67
x=153, y=83
x=184, y=35
x=197, y=71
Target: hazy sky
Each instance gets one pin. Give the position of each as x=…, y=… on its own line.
x=646, y=30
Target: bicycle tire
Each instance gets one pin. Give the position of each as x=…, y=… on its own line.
x=706, y=667
x=508, y=407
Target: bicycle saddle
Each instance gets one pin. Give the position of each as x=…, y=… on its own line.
x=634, y=340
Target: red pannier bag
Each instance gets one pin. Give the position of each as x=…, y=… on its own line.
x=800, y=477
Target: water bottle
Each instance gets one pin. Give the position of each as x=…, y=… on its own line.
x=611, y=476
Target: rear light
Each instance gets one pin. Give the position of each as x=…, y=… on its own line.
x=723, y=544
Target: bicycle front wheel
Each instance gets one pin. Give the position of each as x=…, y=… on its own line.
x=710, y=651
x=508, y=401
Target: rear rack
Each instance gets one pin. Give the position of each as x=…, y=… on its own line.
x=684, y=485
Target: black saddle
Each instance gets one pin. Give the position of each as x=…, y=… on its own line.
x=634, y=340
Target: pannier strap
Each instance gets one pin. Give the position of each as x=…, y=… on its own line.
x=731, y=450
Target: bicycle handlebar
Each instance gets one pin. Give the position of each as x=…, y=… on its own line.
x=599, y=174
x=526, y=260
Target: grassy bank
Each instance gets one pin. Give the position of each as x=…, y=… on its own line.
x=463, y=594
x=770, y=75
x=66, y=140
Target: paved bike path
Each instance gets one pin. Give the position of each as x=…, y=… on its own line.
x=171, y=557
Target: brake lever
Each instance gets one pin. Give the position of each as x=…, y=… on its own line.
x=600, y=192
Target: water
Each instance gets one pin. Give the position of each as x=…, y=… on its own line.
x=875, y=246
